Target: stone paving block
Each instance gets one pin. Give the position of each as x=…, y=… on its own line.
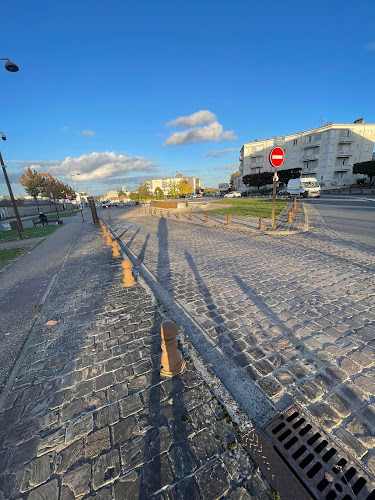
x=325, y=415
x=204, y=445
x=76, y=483
x=157, y=474
x=124, y=429
x=106, y=469
x=51, y=440
x=128, y=487
x=339, y=404
x=350, y=442
x=80, y=427
x=270, y=386
x=97, y=442
x=107, y=416
x=36, y=472
x=130, y=405
x=285, y=378
x=212, y=480
x=361, y=431
x=365, y=384
x=48, y=491
x=69, y=456
x=312, y=391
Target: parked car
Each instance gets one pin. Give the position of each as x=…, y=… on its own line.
x=199, y=196
x=233, y=194
x=283, y=192
x=105, y=204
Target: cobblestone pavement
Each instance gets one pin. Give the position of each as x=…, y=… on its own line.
x=88, y=414
x=296, y=313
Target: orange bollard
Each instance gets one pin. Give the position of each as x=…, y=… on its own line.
x=190, y=217
x=168, y=214
x=109, y=239
x=261, y=225
x=206, y=218
x=161, y=213
x=171, y=362
x=154, y=211
x=116, y=253
x=290, y=216
x=178, y=215
x=228, y=220
x=270, y=197
x=128, y=276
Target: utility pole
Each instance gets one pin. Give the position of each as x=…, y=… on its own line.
x=19, y=222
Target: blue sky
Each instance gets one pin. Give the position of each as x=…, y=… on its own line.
x=107, y=78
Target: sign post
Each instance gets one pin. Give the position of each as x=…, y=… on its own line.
x=277, y=157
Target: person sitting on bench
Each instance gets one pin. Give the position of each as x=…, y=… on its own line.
x=43, y=218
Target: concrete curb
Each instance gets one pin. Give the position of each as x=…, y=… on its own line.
x=244, y=393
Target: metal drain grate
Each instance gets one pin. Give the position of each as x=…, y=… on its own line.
x=323, y=467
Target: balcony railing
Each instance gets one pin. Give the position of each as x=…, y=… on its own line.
x=346, y=140
x=344, y=154
x=310, y=157
x=257, y=153
x=312, y=144
x=311, y=170
x=342, y=168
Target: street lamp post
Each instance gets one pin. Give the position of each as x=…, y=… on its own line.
x=19, y=222
x=13, y=68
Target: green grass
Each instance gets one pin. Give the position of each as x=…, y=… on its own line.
x=246, y=207
x=63, y=213
x=30, y=232
x=10, y=254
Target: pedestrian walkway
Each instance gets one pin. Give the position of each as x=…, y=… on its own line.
x=23, y=287
x=89, y=415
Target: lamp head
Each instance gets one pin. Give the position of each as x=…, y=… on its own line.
x=2, y=135
x=11, y=66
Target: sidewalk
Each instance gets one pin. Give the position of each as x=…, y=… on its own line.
x=88, y=415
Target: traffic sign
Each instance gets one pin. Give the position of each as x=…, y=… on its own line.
x=279, y=140
x=69, y=196
x=277, y=156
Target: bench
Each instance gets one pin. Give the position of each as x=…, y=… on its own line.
x=46, y=221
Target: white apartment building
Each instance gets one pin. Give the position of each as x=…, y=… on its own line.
x=165, y=184
x=327, y=153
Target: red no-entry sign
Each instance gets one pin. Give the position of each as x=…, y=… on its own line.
x=277, y=157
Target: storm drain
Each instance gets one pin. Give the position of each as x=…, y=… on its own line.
x=324, y=468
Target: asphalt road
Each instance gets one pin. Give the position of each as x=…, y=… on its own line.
x=353, y=216
x=23, y=288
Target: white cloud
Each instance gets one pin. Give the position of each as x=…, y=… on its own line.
x=95, y=166
x=220, y=152
x=198, y=118
x=211, y=132
x=87, y=133
x=370, y=46
x=228, y=167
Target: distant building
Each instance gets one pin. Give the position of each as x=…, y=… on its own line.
x=165, y=184
x=327, y=153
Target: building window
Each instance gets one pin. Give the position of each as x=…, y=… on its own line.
x=369, y=133
x=295, y=142
x=366, y=148
x=294, y=154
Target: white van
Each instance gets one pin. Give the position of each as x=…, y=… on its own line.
x=304, y=187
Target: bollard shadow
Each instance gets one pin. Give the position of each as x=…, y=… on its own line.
x=141, y=255
x=129, y=243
